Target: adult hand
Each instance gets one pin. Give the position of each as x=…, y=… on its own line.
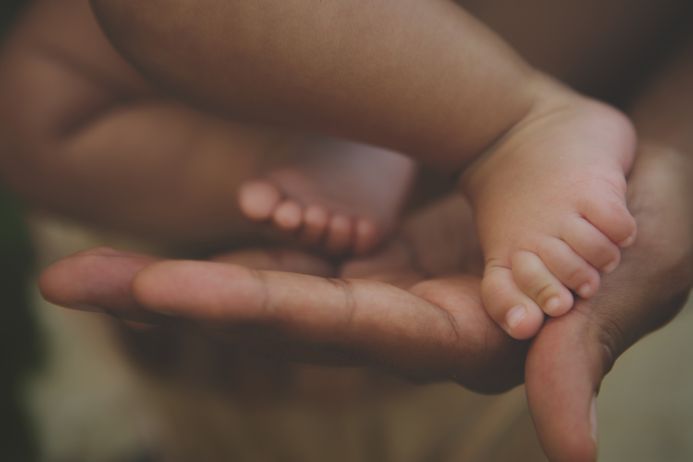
x=569, y=358
x=419, y=313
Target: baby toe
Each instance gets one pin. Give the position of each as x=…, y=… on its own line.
x=511, y=309
x=535, y=280
x=592, y=245
x=258, y=199
x=611, y=217
x=366, y=236
x=571, y=270
x=339, y=234
x=288, y=216
x=315, y=221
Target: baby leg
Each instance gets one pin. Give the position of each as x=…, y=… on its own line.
x=184, y=168
x=78, y=122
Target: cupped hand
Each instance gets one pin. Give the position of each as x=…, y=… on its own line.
x=414, y=308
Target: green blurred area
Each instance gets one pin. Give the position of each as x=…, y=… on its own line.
x=19, y=347
x=8, y=11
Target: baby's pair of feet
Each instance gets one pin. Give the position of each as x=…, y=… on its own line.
x=549, y=201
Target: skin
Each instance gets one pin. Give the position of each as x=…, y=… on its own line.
x=658, y=298
x=330, y=195
x=563, y=366
x=193, y=166
x=544, y=167
x=297, y=86
x=57, y=145
x=107, y=110
x=401, y=315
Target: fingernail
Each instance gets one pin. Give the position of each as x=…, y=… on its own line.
x=611, y=266
x=593, y=418
x=627, y=242
x=552, y=306
x=585, y=290
x=515, y=316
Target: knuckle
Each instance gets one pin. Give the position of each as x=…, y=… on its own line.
x=348, y=302
x=265, y=302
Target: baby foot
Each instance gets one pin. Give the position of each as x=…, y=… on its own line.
x=551, y=212
x=338, y=196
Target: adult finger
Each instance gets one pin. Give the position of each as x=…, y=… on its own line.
x=100, y=279
x=564, y=369
x=378, y=323
x=94, y=280
x=279, y=259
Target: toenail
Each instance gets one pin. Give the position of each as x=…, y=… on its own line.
x=552, y=305
x=611, y=266
x=585, y=291
x=515, y=316
x=627, y=242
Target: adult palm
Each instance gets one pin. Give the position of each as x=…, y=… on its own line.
x=414, y=308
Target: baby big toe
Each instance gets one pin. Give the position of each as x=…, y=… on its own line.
x=538, y=283
x=591, y=244
x=611, y=217
x=516, y=313
x=572, y=270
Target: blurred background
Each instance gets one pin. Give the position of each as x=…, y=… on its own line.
x=19, y=342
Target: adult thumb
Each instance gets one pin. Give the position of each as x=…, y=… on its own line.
x=565, y=366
